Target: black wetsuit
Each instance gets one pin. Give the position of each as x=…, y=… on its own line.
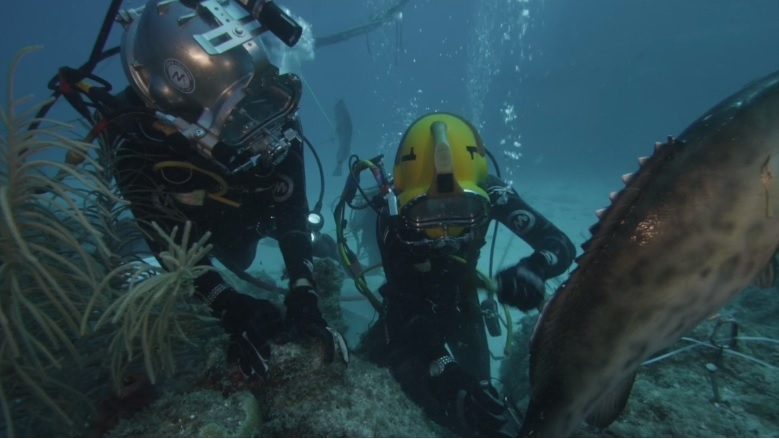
x=257, y=202
x=430, y=299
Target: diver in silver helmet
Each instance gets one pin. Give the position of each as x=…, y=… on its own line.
x=208, y=132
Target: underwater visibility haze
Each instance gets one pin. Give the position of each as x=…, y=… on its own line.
x=99, y=339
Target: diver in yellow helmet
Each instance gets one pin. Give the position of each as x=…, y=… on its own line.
x=431, y=230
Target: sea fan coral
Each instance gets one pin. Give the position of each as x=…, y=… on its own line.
x=154, y=311
x=46, y=271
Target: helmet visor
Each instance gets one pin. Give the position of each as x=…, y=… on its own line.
x=268, y=102
x=462, y=210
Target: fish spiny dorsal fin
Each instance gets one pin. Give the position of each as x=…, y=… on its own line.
x=623, y=200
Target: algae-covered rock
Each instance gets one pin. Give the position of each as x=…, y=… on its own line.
x=329, y=277
x=306, y=398
x=199, y=413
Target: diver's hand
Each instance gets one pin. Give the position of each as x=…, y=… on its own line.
x=521, y=287
x=473, y=407
x=251, y=324
x=305, y=320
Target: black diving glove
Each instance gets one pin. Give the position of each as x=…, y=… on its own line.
x=473, y=407
x=520, y=286
x=304, y=319
x=251, y=324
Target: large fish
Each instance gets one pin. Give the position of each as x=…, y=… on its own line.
x=690, y=229
x=343, y=127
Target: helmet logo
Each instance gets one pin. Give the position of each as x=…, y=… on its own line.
x=179, y=76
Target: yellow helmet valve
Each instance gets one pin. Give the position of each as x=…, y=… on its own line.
x=444, y=162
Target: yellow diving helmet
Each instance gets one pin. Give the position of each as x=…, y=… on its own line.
x=439, y=171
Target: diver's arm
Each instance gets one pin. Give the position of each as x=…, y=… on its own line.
x=303, y=316
x=135, y=147
x=554, y=251
x=292, y=209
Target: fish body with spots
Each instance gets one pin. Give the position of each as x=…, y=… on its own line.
x=691, y=228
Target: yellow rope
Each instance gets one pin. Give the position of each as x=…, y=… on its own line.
x=216, y=196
